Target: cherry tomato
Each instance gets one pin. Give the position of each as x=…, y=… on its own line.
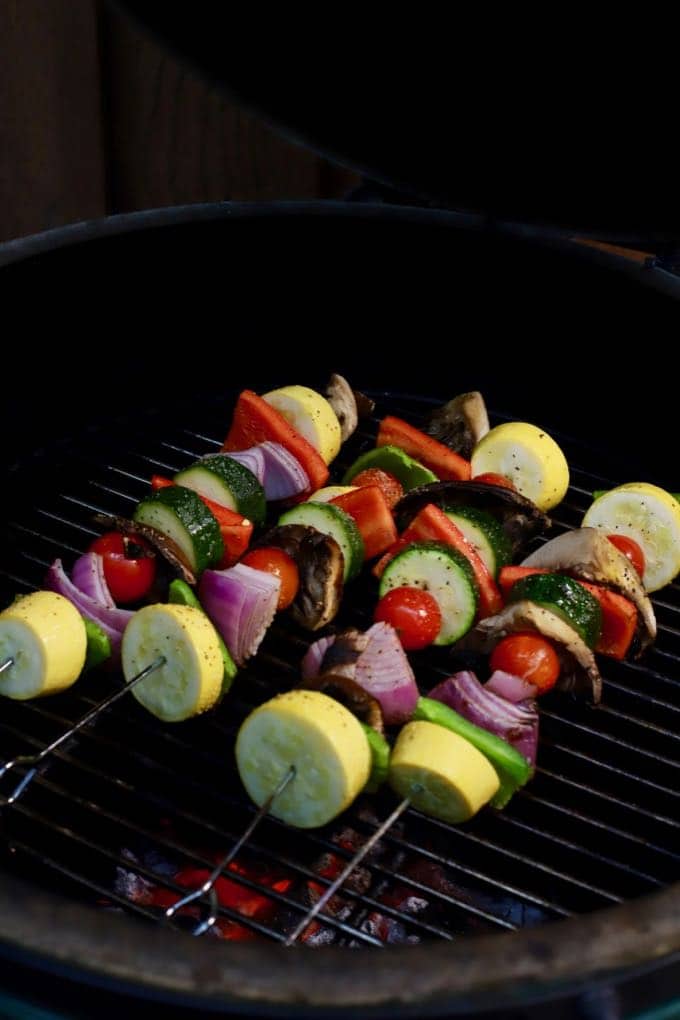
x=279, y=563
x=530, y=657
x=129, y=565
x=391, y=487
x=414, y=614
x=630, y=549
x=491, y=478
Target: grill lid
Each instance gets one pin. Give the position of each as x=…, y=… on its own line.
x=505, y=118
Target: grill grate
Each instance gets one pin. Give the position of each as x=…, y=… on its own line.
x=128, y=804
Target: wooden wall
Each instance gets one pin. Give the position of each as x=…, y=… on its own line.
x=96, y=118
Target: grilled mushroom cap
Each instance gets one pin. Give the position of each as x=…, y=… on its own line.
x=588, y=554
x=579, y=672
x=321, y=566
x=461, y=423
x=520, y=519
x=341, y=657
x=341, y=398
x=350, y=694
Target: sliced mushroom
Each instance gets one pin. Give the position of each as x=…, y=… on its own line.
x=165, y=546
x=520, y=518
x=321, y=566
x=579, y=672
x=341, y=398
x=588, y=554
x=350, y=694
x=461, y=423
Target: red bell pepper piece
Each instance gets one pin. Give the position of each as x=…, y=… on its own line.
x=619, y=621
x=368, y=507
x=159, y=482
x=391, y=487
x=619, y=615
x=432, y=525
x=446, y=464
x=255, y=421
x=236, y=530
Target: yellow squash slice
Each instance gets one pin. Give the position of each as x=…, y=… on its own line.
x=528, y=457
x=321, y=739
x=45, y=636
x=443, y=774
x=311, y=415
x=190, y=682
x=650, y=516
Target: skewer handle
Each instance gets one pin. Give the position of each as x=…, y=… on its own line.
x=34, y=759
x=207, y=889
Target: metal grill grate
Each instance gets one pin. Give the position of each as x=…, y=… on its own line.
x=129, y=803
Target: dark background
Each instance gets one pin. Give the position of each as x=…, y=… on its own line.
x=96, y=118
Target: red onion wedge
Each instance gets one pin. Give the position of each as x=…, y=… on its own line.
x=284, y=476
x=515, y=723
x=252, y=458
x=512, y=688
x=112, y=621
x=241, y=602
x=375, y=660
x=385, y=672
x=313, y=657
x=88, y=575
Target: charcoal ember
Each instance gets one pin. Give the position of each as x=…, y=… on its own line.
x=133, y=887
x=128, y=883
x=318, y=935
x=387, y=929
x=329, y=865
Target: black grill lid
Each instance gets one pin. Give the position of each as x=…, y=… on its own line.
x=539, y=124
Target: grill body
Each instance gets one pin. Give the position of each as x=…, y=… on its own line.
x=573, y=885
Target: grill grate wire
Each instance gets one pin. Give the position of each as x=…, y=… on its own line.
x=128, y=803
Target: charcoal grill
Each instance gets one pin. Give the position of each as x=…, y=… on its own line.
x=569, y=888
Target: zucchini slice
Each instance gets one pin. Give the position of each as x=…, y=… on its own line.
x=45, y=636
x=190, y=682
x=485, y=535
x=442, y=773
x=183, y=516
x=321, y=739
x=446, y=574
x=225, y=481
x=566, y=598
x=331, y=520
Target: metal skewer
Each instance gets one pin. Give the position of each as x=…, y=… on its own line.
x=349, y=868
x=34, y=760
x=208, y=887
